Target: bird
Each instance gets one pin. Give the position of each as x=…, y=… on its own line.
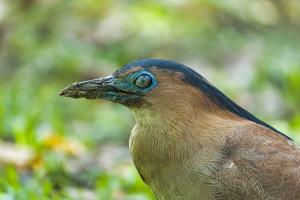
x=192, y=142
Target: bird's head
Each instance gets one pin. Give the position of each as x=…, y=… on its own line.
x=150, y=83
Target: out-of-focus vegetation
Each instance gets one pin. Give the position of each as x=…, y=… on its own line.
x=58, y=148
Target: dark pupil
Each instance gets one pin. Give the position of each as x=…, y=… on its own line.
x=143, y=81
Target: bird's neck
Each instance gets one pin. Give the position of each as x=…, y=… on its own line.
x=176, y=134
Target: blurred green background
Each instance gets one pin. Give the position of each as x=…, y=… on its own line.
x=58, y=148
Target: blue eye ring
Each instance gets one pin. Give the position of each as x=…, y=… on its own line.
x=143, y=80
x=143, y=90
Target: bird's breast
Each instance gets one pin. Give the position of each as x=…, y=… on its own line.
x=166, y=166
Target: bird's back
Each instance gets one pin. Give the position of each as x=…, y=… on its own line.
x=259, y=164
x=252, y=162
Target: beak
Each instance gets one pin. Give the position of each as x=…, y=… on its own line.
x=91, y=89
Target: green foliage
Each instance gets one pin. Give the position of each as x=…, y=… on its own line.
x=249, y=49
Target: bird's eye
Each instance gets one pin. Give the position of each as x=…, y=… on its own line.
x=143, y=81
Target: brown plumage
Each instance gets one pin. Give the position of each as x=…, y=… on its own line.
x=191, y=142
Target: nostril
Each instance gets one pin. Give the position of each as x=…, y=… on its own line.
x=77, y=84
